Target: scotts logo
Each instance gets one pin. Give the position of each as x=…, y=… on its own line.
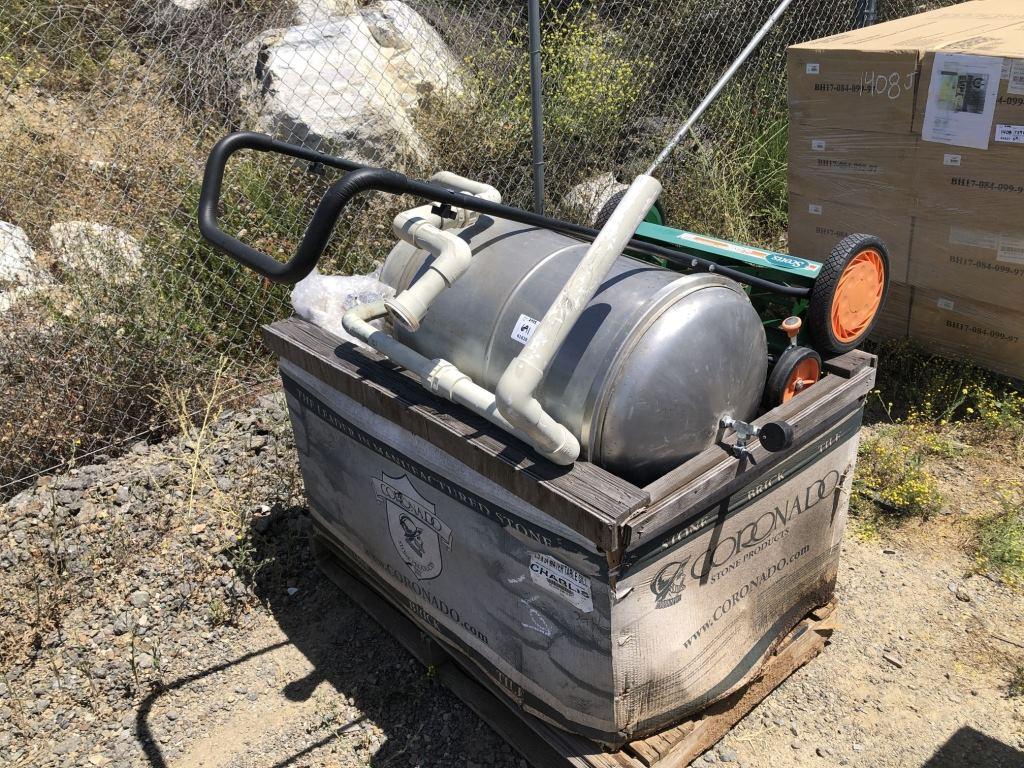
x=416, y=531
x=782, y=260
x=671, y=580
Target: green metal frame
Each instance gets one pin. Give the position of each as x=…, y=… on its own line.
x=781, y=267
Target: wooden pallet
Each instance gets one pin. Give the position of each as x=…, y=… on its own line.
x=544, y=746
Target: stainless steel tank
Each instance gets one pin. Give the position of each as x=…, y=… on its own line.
x=647, y=372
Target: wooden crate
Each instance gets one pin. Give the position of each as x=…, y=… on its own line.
x=547, y=747
x=601, y=608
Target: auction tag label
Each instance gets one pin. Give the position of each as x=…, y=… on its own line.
x=1010, y=134
x=524, y=329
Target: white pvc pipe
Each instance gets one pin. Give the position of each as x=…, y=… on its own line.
x=477, y=188
x=424, y=229
x=515, y=390
x=439, y=376
x=451, y=259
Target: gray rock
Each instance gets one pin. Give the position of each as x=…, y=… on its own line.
x=20, y=273
x=587, y=198
x=320, y=11
x=728, y=755
x=86, y=246
x=70, y=744
x=354, y=82
x=139, y=598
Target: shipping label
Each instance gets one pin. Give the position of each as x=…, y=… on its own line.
x=1015, y=77
x=961, y=99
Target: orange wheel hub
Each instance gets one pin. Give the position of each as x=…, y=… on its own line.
x=858, y=295
x=806, y=373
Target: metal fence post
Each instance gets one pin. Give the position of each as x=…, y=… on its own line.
x=536, y=107
x=867, y=12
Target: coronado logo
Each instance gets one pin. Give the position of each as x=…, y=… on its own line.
x=734, y=547
x=669, y=584
x=416, y=531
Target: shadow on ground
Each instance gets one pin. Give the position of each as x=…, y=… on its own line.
x=423, y=724
x=968, y=748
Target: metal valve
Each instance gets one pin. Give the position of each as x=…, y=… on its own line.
x=773, y=436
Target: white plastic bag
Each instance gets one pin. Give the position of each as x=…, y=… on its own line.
x=323, y=299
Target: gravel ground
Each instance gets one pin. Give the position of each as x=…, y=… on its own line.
x=162, y=609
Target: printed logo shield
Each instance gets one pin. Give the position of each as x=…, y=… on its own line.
x=418, y=533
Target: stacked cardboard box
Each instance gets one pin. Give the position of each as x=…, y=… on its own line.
x=913, y=130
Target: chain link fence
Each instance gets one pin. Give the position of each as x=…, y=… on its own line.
x=116, y=318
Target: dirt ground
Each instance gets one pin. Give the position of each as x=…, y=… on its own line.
x=188, y=648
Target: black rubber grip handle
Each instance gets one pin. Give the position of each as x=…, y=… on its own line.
x=361, y=178
x=313, y=241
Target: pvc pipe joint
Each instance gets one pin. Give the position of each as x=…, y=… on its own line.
x=452, y=256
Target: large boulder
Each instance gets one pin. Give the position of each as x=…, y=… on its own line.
x=85, y=247
x=351, y=84
x=320, y=11
x=585, y=200
x=20, y=272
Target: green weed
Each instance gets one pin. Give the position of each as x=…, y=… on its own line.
x=1000, y=545
x=892, y=478
x=916, y=385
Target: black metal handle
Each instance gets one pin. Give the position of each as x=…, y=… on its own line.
x=313, y=241
x=361, y=178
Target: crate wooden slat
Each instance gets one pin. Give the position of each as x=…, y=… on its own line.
x=583, y=496
x=544, y=746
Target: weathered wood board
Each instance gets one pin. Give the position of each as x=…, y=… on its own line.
x=604, y=609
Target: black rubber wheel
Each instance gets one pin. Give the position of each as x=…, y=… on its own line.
x=841, y=315
x=794, y=363
x=656, y=214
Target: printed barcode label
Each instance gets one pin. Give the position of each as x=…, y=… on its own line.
x=945, y=304
x=814, y=208
x=951, y=159
x=1010, y=250
x=813, y=69
x=818, y=145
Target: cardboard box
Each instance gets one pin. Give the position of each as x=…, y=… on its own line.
x=861, y=90
x=852, y=167
x=894, y=316
x=975, y=186
x=982, y=263
x=959, y=327
x=816, y=225
x=867, y=79
x=1007, y=124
